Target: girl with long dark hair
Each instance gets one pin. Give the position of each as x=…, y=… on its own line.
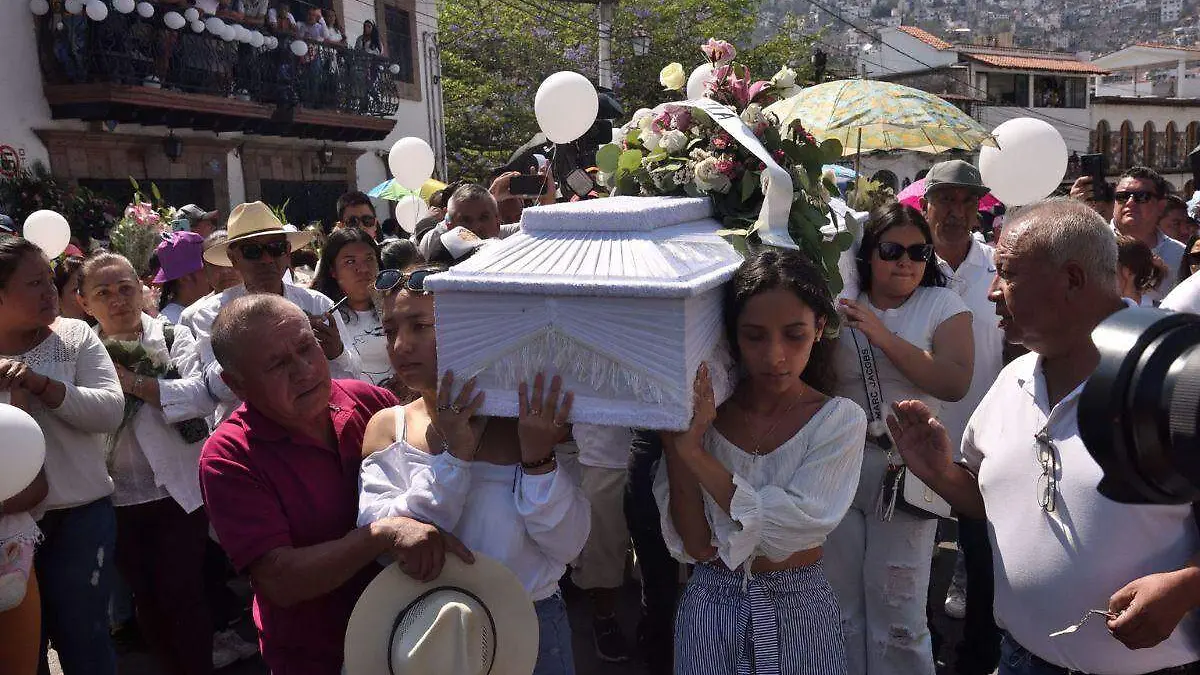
x=346, y=273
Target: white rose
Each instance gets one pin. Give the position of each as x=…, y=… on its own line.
x=673, y=141
x=672, y=78
x=650, y=140
x=784, y=79
x=753, y=114
x=709, y=179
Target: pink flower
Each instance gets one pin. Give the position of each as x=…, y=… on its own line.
x=722, y=141
x=143, y=214
x=718, y=51
x=728, y=167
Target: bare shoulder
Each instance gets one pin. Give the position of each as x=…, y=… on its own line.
x=381, y=430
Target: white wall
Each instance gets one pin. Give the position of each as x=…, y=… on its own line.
x=883, y=60
x=1073, y=123
x=1138, y=115
x=24, y=105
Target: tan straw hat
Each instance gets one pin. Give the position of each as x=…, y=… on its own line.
x=249, y=221
x=472, y=620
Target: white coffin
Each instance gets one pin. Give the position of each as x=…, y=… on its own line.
x=621, y=296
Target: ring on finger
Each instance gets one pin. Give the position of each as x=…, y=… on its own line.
x=443, y=408
x=559, y=424
x=455, y=409
x=535, y=412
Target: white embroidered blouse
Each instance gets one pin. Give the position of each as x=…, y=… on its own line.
x=785, y=501
x=534, y=525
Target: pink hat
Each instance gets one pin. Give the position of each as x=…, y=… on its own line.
x=179, y=254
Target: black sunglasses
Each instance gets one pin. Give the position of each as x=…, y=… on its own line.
x=891, y=251
x=275, y=249
x=363, y=221
x=413, y=282
x=1139, y=196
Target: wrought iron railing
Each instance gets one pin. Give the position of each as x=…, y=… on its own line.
x=131, y=50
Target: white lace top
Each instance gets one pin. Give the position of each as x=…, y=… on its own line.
x=94, y=404
x=786, y=501
x=535, y=525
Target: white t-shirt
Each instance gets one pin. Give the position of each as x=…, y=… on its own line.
x=915, y=321
x=1185, y=297
x=971, y=281
x=1051, y=568
x=363, y=333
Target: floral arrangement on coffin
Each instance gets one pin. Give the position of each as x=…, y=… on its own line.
x=140, y=230
x=678, y=150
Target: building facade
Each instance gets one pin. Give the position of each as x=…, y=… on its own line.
x=219, y=110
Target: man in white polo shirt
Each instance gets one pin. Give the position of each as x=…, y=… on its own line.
x=1061, y=549
x=951, y=205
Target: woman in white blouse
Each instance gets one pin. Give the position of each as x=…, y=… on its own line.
x=154, y=463
x=494, y=483
x=74, y=395
x=346, y=275
x=751, y=490
x=919, y=337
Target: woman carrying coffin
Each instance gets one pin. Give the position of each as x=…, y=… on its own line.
x=751, y=490
x=493, y=483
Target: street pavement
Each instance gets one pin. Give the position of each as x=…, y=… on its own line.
x=140, y=662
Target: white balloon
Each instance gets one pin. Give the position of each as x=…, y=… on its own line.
x=698, y=81
x=73, y=6
x=174, y=20
x=411, y=161
x=257, y=39
x=566, y=106
x=241, y=34
x=192, y=14
x=197, y=26
x=49, y=230
x=214, y=25
x=228, y=33
x=299, y=47
x=1029, y=164
x=39, y=7
x=124, y=6
x=145, y=10
x=24, y=450
x=97, y=10
x=409, y=211
x=394, y=69
x=272, y=42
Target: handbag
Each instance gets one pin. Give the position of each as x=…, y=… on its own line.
x=899, y=489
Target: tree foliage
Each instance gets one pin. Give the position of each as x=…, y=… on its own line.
x=495, y=53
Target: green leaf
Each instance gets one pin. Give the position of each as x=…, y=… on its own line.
x=608, y=157
x=831, y=148
x=750, y=182
x=156, y=194
x=658, y=156
x=630, y=160
x=843, y=240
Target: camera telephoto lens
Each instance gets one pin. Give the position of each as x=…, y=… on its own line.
x=1139, y=413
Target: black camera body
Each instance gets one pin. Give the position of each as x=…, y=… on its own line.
x=1139, y=413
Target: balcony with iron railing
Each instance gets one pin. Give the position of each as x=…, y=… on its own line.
x=133, y=69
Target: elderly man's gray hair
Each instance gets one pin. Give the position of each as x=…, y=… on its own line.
x=232, y=330
x=1063, y=229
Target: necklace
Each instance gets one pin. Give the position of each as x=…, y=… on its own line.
x=446, y=445
x=770, y=430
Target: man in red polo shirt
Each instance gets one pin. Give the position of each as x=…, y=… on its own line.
x=280, y=483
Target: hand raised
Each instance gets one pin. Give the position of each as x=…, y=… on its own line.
x=543, y=417
x=704, y=412
x=920, y=439
x=452, y=417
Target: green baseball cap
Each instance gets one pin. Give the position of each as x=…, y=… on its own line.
x=955, y=173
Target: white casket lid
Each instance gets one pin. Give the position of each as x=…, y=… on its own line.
x=633, y=247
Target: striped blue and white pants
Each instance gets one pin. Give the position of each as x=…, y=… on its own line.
x=779, y=623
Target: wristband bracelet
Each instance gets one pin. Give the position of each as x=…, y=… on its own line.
x=540, y=463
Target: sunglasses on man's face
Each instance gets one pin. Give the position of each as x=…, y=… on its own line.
x=360, y=221
x=890, y=251
x=275, y=249
x=1139, y=196
x=414, y=282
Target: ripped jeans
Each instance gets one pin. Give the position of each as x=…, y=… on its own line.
x=75, y=565
x=880, y=574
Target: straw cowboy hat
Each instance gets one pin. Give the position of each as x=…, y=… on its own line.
x=472, y=620
x=249, y=221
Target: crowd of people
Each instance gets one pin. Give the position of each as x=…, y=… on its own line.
x=302, y=436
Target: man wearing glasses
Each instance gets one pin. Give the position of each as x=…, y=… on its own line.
x=1141, y=197
x=355, y=210
x=1062, y=550
x=259, y=248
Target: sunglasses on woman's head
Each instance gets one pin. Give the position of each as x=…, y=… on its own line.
x=413, y=282
x=890, y=251
x=276, y=249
